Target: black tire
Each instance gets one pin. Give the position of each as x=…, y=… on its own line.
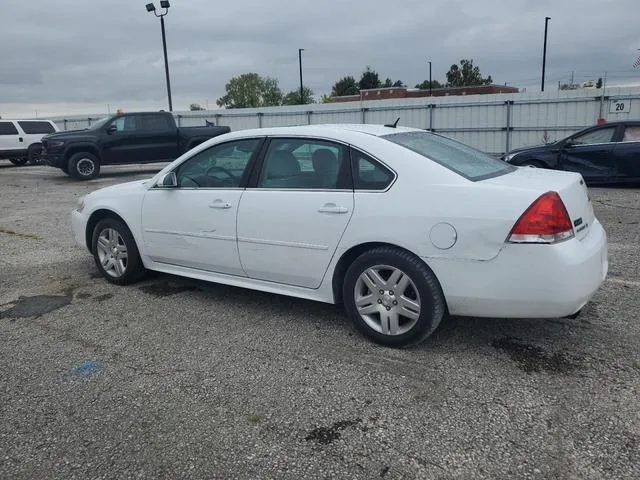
x=426, y=285
x=84, y=166
x=133, y=268
x=18, y=161
x=34, y=153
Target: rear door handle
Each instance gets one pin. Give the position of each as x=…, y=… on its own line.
x=332, y=208
x=220, y=204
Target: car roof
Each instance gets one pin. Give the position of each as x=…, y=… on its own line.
x=327, y=130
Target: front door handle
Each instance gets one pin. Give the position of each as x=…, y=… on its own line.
x=20, y=139
x=332, y=208
x=220, y=204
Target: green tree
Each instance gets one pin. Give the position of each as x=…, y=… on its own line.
x=293, y=97
x=388, y=83
x=425, y=85
x=345, y=86
x=250, y=90
x=195, y=107
x=599, y=83
x=326, y=99
x=369, y=79
x=466, y=75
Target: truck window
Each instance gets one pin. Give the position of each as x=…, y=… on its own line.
x=8, y=128
x=155, y=123
x=33, y=127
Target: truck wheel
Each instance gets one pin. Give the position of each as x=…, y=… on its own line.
x=18, y=161
x=34, y=154
x=84, y=166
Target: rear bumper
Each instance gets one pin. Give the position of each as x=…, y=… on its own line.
x=527, y=281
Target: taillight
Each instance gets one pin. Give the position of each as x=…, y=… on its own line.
x=545, y=221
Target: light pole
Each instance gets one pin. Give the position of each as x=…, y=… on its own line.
x=544, y=50
x=152, y=8
x=429, y=78
x=300, y=50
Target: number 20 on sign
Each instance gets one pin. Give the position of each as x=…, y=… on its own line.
x=620, y=106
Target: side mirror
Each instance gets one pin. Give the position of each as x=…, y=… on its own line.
x=111, y=129
x=569, y=143
x=168, y=181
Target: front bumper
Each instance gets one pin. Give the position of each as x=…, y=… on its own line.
x=527, y=281
x=79, y=228
x=53, y=159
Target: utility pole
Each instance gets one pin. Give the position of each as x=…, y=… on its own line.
x=430, y=82
x=544, y=51
x=300, y=50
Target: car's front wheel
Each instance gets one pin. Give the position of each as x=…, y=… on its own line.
x=84, y=166
x=115, y=252
x=34, y=154
x=392, y=297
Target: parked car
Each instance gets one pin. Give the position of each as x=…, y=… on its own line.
x=20, y=140
x=401, y=225
x=604, y=154
x=130, y=138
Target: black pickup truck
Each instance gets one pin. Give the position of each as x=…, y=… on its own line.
x=122, y=139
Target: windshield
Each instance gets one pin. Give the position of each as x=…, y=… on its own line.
x=462, y=159
x=99, y=123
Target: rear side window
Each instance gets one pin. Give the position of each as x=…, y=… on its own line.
x=462, y=159
x=31, y=127
x=368, y=174
x=155, y=123
x=8, y=128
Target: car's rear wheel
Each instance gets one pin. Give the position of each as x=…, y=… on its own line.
x=18, y=161
x=84, y=166
x=392, y=297
x=115, y=252
x=34, y=154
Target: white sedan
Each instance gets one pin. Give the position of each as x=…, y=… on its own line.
x=400, y=225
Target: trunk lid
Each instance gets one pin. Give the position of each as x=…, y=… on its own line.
x=570, y=186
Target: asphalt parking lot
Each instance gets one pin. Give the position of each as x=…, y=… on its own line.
x=173, y=378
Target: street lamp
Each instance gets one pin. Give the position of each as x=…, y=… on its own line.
x=164, y=4
x=544, y=51
x=300, y=50
x=429, y=78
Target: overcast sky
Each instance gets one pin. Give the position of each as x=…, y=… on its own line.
x=79, y=56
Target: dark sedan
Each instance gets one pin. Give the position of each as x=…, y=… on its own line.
x=606, y=153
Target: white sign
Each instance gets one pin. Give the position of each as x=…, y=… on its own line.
x=620, y=106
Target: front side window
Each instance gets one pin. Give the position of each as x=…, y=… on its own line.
x=32, y=127
x=306, y=164
x=220, y=166
x=126, y=123
x=603, y=135
x=8, y=128
x=458, y=157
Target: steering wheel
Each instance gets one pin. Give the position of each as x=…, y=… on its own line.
x=220, y=169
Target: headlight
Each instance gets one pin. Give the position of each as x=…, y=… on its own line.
x=55, y=144
x=80, y=204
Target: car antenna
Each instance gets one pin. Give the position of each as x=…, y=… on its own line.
x=394, y=124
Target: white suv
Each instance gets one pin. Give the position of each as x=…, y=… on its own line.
x=20, y=139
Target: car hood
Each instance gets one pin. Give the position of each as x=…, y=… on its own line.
x=543, y=147
x=119, y=189
x=70, y=135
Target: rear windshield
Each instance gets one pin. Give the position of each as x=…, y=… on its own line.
x=466, y=161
